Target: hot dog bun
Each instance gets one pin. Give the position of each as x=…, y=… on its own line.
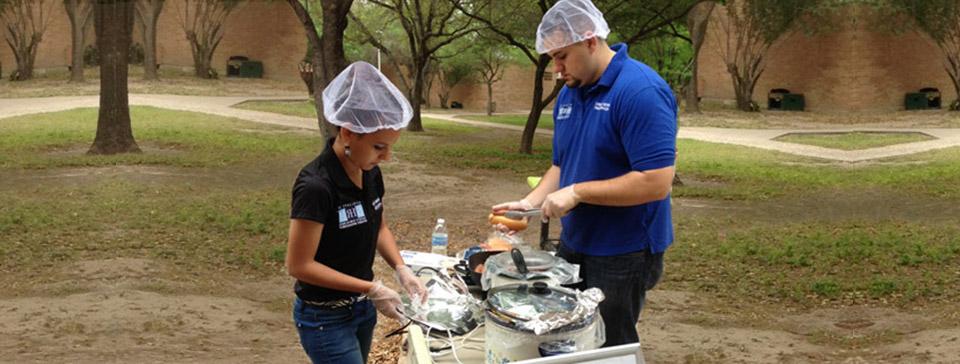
x=515, y=225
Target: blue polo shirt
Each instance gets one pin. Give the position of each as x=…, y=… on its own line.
x=626, y=121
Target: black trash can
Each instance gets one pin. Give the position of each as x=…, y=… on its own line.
x=793, y=102
x=234, y=64
x=933, y=97
x=775, y=98
x=915, y=101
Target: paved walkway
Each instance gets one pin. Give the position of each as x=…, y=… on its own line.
x=757, y=138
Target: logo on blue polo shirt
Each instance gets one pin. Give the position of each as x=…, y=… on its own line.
x=564, y=111
x=602, y=106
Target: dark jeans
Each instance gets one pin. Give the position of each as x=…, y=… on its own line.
x=341, y=335
x=624, y=280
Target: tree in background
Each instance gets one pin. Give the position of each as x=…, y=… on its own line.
x=79, y=12
x=148, y=11
x=113, y=21
x=451, y=73
x=939, y=20
x=746, y=29
x=25, y=22
x=493, y=59
x=378, y=27
x=670, y=55
x=202, y=23
x=516, y=22
x=697, y=21
x=330, y=59
x=430, y=25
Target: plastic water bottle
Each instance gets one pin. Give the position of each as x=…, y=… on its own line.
x=438, y=242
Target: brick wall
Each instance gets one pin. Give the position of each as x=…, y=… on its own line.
x=855, y=69
x=267, y=31
x=513, y=93
x=53, y=51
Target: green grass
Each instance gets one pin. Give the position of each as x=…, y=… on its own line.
x=804, y=263
x=853, y=140
x=301, y=108
x=193, y=226
x=173, y=138
x=227, y=213
x=743, y=173
x=546, y=120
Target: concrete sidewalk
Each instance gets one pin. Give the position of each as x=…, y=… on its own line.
x=757, y=138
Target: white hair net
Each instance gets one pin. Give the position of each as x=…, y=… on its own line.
x=363, y=100
x=569, y=22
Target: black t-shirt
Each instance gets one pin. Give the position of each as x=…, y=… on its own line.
x=350, y=216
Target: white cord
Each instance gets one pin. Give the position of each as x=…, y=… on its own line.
x=453, y=348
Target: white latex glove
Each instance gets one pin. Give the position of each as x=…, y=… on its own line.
x=386, y=300
x=410, y=283
x=560, y=202
x=512, y=205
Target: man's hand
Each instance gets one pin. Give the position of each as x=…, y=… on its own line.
x=411, y=284
x=559, y=203
x=512, y=205
x=499, y=209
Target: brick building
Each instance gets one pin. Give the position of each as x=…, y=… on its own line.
x=266, y=31
x=857, y=69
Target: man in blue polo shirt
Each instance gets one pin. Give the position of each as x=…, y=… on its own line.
x=614, y=148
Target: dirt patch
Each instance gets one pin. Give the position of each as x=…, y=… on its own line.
x=136, y=309
x=682, y=327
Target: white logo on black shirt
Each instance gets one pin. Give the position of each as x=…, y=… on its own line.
x=351, y=214
x=377, y=204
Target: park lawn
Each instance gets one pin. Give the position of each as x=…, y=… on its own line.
x=219, y=205
x=304, y=108
x=546, y=120
x=853, y=140
x=301, y=108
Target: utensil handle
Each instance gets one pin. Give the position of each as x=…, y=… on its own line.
x=519, y=261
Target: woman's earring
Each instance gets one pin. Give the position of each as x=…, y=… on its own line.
x=346, y=150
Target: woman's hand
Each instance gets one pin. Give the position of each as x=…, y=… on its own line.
x=411, y=283
x=386, y=300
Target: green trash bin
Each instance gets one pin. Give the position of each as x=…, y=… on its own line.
x=916, y=101
x=793, y=102
x=251, y=69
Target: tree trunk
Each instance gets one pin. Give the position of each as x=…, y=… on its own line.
x=330, y=60
x=526, y=140
x=415, y=123
x=78, y=11
x=201, y=61
x=744, y=92
x=489, y=98
x=149, y=11
x=114, y=27
x=697, y=21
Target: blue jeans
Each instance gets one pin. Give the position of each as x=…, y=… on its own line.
x=624, y=280
x=341, y=335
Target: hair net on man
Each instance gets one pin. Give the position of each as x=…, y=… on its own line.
x=569, y=22
x=363, y=100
